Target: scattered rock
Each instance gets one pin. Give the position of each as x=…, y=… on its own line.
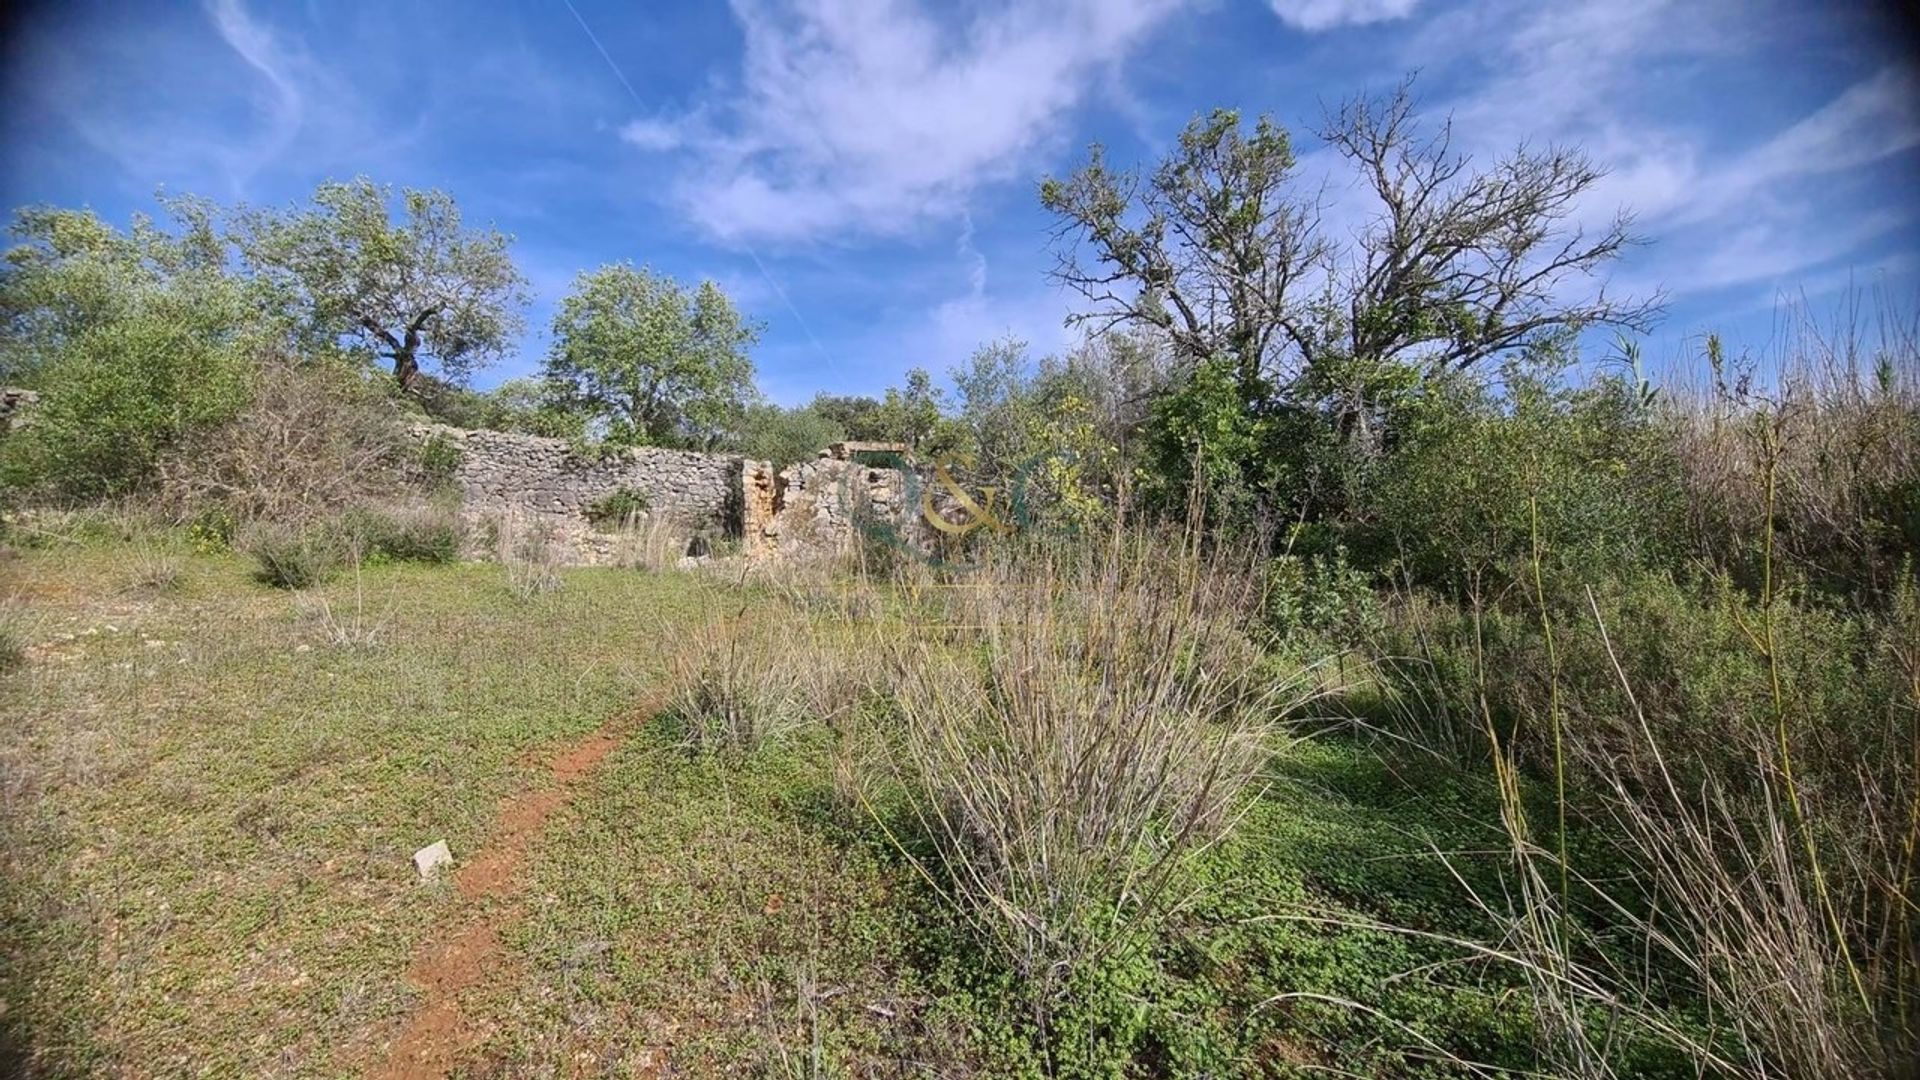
x=428, y=860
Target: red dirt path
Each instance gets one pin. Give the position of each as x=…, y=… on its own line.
x=438, y=1035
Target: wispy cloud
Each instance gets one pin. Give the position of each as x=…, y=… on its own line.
x=872, y=117
x=1568, y=73
x=286, y=104
x=1315, y=15
x=208, y=99
x=1871, y=120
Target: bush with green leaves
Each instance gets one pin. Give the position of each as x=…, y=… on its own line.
x=617, y=508
x=1205, y=440
x=134, y=341
x=419, y=533
x=786, y=436
x=439, y=459
x=1475, y=476
x=294, y=556
x=1319, y=602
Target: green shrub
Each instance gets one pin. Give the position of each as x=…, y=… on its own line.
x=212, y=530
x=428, y=533
x=785, y=436
x=439, y=460
x=294, y=557
x=616, y=509
x=1475, y=474
x=133, y=343
x=1319, y=601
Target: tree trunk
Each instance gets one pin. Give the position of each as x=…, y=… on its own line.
x=406, y=370
x=406, y=360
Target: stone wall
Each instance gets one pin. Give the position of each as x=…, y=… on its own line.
x=812, y=509
x=14, y=406
x=549, y=487
x=817, y=507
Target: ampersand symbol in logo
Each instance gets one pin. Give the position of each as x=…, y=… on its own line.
x=978, y=516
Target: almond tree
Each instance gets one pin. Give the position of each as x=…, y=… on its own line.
x=1219, y=250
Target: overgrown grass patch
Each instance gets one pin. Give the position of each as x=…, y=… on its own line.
x=210, y=821
x=209, y=826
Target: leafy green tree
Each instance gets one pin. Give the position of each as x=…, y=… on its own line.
x=999, y=415
x=423, y=288
x=857, y=414
x=134, y=340
x=533, y=406
x=915, y=414
x=786, y=436
x=653, y=361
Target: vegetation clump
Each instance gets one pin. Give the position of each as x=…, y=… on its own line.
x=621, y=507
x=293, y=557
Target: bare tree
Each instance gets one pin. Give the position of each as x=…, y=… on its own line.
x=1218, y=249
x=1457, y=266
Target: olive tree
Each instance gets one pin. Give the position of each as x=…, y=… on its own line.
x=653, y=361
x=422, y=288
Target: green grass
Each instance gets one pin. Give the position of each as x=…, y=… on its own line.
x=210, y=813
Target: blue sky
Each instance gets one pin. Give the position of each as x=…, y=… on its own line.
x=860, y=174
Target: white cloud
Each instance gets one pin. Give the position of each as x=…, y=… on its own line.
x=872, y=116
x=1873, y=119
x=653, y=134
x=159, y=100
x=1575, y=74
x=256, y=45
x=1314, y=15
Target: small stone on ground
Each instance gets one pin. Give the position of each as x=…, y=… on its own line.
x=428, y=860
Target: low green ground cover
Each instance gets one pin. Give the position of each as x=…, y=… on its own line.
x=211, y=806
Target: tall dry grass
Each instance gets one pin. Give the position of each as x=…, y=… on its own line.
x=1827, y=420
x=1771, y=876
x=646, y=541
x=1076, y=723
x=527, y=554
x=737, y=685
x=1800, y=952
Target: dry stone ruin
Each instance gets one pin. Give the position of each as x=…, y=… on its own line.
x=696, y=502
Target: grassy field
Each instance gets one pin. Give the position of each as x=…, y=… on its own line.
x=210, y=810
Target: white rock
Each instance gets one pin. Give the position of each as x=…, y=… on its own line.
x=428, y=860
